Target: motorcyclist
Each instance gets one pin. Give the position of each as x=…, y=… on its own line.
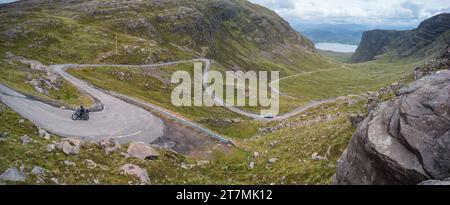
x=81, y=114
x=82, y=110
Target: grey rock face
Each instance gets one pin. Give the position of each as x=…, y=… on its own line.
x=38, y=171
x=373, y=43
x=69, y=147
x=44, y=134
x=429, y=35
x=109, y=145
x=12, y=174
x=69, y=163
x=26, y=139
x=4, y=135
x=404, y=141
x=356, y=118
x=135, y=170
x=51, y=147
x=142, y=151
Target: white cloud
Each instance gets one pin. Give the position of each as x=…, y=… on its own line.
x=6, y=1
x=358, y=11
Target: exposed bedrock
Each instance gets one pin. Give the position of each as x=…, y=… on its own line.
x=405, y=140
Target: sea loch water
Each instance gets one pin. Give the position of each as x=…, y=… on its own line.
x=337, y=47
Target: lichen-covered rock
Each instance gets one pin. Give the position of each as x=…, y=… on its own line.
x=12, y=174
x=405, y=140
x=109, y=145
x=142, y=151
x=4, y=135
x=70, y=146
x=356, y=118
x=39, y=171
x=26, y=139
x=134, y=170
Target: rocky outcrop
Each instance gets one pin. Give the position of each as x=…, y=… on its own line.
x=26, y=139
x=405, y=140
x=109, y=145
x=430, y=36
x=134, y=170
x=12, y=174
x=374, y=43
x=142, y=151
x=356, y=118
x=432, y=66
x=70, y=146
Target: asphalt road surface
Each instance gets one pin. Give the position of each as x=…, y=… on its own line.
x=118, y=119
x=255, y=116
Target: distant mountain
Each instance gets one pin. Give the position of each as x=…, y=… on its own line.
x=426, y=41
x=342, y=36
x=338, y=33
x=332, y=33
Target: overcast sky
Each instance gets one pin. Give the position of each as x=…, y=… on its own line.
x=375, y=12
x=6, y=1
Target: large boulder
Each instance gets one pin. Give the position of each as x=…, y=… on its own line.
x=38, y=171
x=3, y=136
x=70, y=146
x=109, y=145
x=134, y=170
x=142, y=151
x=405, y=140
x=12, y=174
x=26, y=139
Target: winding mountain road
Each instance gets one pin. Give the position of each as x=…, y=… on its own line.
x=123, y=121
x=119, y=119
x=255, y=116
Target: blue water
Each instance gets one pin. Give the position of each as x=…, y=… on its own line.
x=337, y=47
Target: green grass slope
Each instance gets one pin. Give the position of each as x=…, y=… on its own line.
x=284, y=156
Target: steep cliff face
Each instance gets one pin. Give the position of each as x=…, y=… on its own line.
x=236, y=33
x=374, y=43
x=405, y=140
x=427, y=40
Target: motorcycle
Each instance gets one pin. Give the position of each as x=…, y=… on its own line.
x=78, y=115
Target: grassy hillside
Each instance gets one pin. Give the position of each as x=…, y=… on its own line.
x=20, y=76
x=235, y=33
x=337, y=56
x=346, y=79
x=284, y=156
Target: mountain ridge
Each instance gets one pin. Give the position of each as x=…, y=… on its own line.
x=426, y=41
